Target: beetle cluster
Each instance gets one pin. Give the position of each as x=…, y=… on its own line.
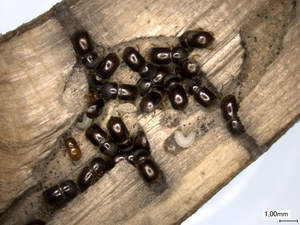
x=157, y=79
x=119, y=145
x=157, y=83
x=68, y=189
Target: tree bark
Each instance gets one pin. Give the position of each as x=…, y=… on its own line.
x=255, y=56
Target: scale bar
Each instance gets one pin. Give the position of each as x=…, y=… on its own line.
x=288, y=221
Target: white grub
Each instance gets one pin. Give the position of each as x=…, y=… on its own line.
x=127, y=108
x=86, y=122
x=183, y=141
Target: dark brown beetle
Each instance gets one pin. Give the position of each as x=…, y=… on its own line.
x=137, y=155
x=109, y=148
x=201, y=94
x=95, y=82
x=86, y=178
x=109, y=90
x=191, y=85
x=229, y=110
x=95, y=108
x=141, y=142
x=96, y=135
x=229, y=107
x=151, y=100
x=189, y=69
x=176, y=92
x=91, y=173
x=178, y=97
x=108, y=66
x=179, y=55
x=144, y=85
x=196, y=39
x=120, y=133
x=166, y=55
x=147, y=168
x=235, y=126
x=204, y=96
x=61, y=193
x=161, y=73
x=124, y=92
x=91, y=60
x=120, y=156
x=148, y=71
x=134, y=59
x=127, y=92
x=161, y=55
x=82, y=42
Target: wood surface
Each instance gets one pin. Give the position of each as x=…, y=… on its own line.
x=42, y=85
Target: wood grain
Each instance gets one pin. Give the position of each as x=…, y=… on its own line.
x=42, y=88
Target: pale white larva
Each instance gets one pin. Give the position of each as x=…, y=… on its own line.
x=86, y=122
x=127, y=108
x=183, y=141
